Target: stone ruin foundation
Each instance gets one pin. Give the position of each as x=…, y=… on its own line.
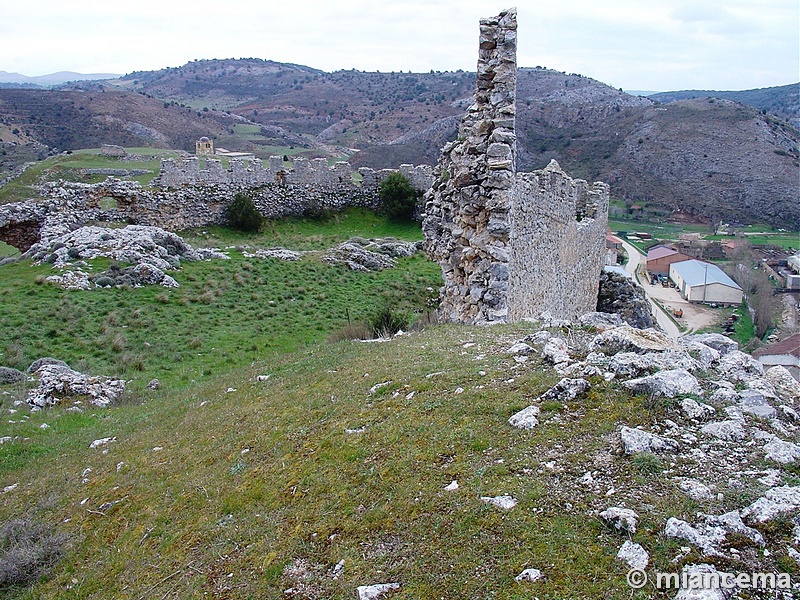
x=511, y=245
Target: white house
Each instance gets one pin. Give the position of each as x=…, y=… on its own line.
x=700, y=281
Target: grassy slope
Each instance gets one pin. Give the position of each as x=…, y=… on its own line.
x=249, y=481
x=253, y=476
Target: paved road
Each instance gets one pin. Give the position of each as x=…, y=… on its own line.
x=634, y=259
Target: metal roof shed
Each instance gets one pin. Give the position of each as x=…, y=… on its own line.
x=700, y=281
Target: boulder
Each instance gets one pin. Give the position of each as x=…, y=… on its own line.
x=634, y=555
x=556, y=351
x=630, y=364
x=776, y=501
x=670, y=383
x=57, y=382
x=696, y=410
x=782, y=452
x=692, y=573
x=621, y=296
x=9, y=375
x=376, y=590
x=738, y=367
x=753, y=402
x=45, y=360
x=717, y=341
x=630, y=339
x=358, y=258
x=730, y=430
x=600, y=321
x=636, y=440
x=622, y=520
x=786, y=386
x=526, y=418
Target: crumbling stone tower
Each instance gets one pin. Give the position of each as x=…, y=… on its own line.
x=510, y=245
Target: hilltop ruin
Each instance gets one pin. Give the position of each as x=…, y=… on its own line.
x=511, y=245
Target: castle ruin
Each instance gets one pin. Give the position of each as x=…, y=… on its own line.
x=511, y=245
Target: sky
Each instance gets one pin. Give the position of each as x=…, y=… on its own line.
x=653, y=45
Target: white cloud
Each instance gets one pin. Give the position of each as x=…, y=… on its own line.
x=670, y=44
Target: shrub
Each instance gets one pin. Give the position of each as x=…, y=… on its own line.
x=398, y=197
x=242, y=214
x=27, y=551
x=387, y=322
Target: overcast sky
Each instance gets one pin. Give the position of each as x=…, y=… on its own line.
x=633, y=44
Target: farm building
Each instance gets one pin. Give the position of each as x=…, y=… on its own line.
x=785, y=353
x=660, y=257
x=700, y=281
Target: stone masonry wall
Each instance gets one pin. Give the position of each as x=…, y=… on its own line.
x=511, y=246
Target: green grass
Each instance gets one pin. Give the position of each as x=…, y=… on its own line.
x=226, y=314
x=200, y=508
x=6, y=250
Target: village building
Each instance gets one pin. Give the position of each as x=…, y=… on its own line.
x=785, y=353
x=613, y=248
x=660, y=257
x=699, y=281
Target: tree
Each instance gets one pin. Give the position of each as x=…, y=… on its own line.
x=242, y=214
x=398, y=197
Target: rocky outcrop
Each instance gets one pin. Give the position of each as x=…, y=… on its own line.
x=58, y=383
x=621, y=296
x=359, y=254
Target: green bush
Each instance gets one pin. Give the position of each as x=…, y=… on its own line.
x=242, y=214
x=398, y=197
x=387, y=322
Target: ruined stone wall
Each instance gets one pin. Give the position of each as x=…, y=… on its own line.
x=510, y=245
x=314, y=173
x=558, y=226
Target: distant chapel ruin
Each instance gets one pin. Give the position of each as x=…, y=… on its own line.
x=511, y=245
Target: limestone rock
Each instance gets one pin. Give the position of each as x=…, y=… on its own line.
x=776, y=501
x=504, y=502
x=636, y=440
x=377, y=590
x=695, y=573
x=527, y=418
x=630, y=339
x=622, y=296
x=729, y=430
x=666, y=383
x=787, y=387
x=738, y=367
x=753, y=402
x=520, y=348
x=58, y=382
x=600, y=321
x=45, y=360
x=717, y=341
x=277, y=252
x=696, y=410
x=782, y=452
x=695, y=489
x=359, y=255
x=629, y=364
x=622, y=520
x=529, y=575
x=9, y=375
x=556, y=351
x=634, y=555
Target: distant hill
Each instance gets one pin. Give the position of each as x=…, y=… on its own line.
x=782, y=101
x=51, y=79
x=712, y=157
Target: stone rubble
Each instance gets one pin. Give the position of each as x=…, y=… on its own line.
x=621, y=520
x=377, y=590
x=634, y=555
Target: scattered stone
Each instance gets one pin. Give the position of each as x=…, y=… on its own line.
x=57, y=382
x=371, y=592
x=102, y=442
x=71, y=280
x=9, y=375
x=730, y=430
x=717, y=341
x=709, y=534
x=504, y=502
x=775, y=502
x=277, y=252
x=46, y=360
x=622, y=520
x=520, y=348
x=696, y=573
x=452, y=486
x=666, y=383
x=556, y=351
x=696, y=410
x=630, y=339
x=337, y=570
x=754, y=402
x=695, y=489
x=634, y=555
x=636, y=440
x=529, y=575
x=782, y=452
x=9, y=488
x=526, y=418
x=153, y=384
x=565, y=390
x=786, y=386
x=359, y=254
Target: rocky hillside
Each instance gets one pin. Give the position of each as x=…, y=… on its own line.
x=714, y=158
x=782, y=101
